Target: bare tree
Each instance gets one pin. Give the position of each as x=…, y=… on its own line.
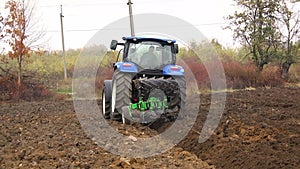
x=1, y=27
x=2, y=31
x=290, y=31
x=22, y=32
x=2, y=35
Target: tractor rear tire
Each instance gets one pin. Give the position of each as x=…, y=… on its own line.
x=121, y=93
x=180, y=101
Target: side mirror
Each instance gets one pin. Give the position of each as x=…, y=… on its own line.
x=176, y=48
x=113, y=44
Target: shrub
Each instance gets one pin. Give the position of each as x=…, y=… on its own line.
x=271, y=76
x=295, y=73
x=29, y=91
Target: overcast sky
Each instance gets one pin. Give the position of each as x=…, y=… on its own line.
x=82, y=19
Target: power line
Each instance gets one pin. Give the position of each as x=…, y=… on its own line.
x=80, y=5
x=120, y=3
x=84, y=30
x=107, y=29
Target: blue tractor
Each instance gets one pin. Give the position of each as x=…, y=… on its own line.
x=147, y=84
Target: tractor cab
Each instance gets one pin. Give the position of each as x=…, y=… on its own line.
x=148, y=53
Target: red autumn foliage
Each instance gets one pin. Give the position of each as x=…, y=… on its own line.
x=238, y=75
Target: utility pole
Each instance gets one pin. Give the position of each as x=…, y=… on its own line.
x=63, y=41
x=131, y=18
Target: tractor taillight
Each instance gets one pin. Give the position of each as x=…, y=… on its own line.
x=175, y=68
x=127, y=64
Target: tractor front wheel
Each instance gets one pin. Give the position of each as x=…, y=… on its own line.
x=106, y=99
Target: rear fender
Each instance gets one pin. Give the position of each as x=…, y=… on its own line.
x=108, y=83
x=126, y=67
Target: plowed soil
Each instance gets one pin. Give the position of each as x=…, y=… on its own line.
x=259, y=129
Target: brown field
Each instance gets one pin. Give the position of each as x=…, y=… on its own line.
x=259, y=129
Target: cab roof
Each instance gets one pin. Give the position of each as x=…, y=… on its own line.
x=149, y=39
